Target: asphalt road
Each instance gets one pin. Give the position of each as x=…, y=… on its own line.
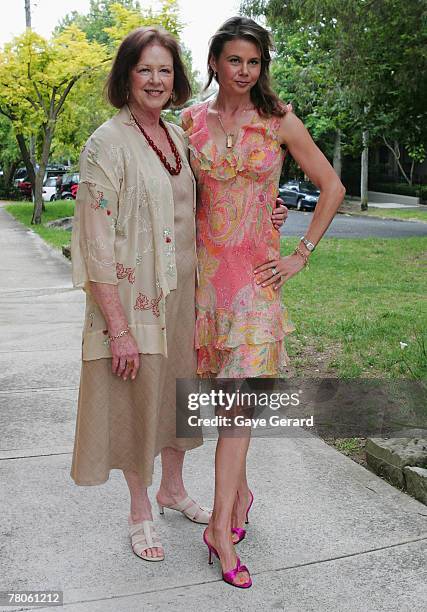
x=352, y=226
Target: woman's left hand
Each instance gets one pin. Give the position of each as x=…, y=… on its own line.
x=279, y=214
x=278, y=271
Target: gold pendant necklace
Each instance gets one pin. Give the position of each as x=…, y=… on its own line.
x=228, y=135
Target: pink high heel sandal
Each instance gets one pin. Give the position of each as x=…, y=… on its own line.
x=239, y=531
x=229, y=576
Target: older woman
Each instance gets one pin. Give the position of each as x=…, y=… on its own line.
x=133, y=252
x=236, y=143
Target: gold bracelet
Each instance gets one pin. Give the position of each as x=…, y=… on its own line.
x=301, y=254
x=119, y=335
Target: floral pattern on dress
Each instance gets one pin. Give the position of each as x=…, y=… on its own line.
x=240, y=325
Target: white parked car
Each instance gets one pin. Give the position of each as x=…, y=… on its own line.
x=49, y=189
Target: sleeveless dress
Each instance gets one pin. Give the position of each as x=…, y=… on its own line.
x=240, y=326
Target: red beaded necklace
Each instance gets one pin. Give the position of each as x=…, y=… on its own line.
x=161, y=155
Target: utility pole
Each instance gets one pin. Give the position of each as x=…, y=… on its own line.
x=32, y=141
x=28, y=13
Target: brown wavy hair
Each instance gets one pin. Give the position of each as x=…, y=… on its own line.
x=127, y=57
x=262, y=95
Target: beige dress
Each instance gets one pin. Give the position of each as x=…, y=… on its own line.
x=125, y=424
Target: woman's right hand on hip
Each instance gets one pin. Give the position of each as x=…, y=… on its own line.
x=125, y=357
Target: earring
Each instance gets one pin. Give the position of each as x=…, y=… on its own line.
x=216, y=75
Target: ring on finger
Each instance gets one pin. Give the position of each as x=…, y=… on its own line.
x=274, y=270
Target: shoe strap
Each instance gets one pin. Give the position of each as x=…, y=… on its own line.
x=144, y=536
x=231, y=574
x=190, y=508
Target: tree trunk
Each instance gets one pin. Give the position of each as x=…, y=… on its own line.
x=9, y=173
x=38, y=191
x=411, y=173
x=364, y=172
x=26, y=159
x=396, y=154
x=337, y=153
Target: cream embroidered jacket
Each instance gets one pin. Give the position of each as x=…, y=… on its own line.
x=123, y=231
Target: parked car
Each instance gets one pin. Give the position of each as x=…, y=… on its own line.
x=19, y=176
x=49, y=189
x=24, y=187
x=21, y=181
x=69, y=186
x=302, y=195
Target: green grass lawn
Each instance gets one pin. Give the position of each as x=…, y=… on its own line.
x=23, y=211
x=398, y=213
x=414, y=214
x=358, y=301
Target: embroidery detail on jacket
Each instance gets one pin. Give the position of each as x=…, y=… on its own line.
x=123, y=272
x=98, y=200
x=144, y=303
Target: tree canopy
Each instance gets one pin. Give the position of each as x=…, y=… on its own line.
x=357, y=65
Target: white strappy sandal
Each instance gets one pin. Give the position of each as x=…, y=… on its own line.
x=143, y=536
x=190, y=509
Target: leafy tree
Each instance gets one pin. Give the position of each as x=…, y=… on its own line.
x=108, y=21
x=374, y=48
x=303, y=74
x=126, y=20
x=99, y=17
x=85, y=110
x=10, y=155
x=36, y=76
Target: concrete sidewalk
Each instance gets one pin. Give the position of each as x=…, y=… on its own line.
x=325, y=534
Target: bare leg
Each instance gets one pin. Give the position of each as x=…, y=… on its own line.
x=140, y=507
x=230, y=458
x=242, y=500
x=243, y=495
x=171, y=490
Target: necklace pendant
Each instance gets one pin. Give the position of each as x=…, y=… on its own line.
x=229, y=141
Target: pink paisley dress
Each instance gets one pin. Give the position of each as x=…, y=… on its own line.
x=240, y=326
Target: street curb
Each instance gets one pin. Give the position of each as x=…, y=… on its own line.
x=357, y=214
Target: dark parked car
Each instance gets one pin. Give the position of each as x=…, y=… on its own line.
x=302, y=195
x=68, y=188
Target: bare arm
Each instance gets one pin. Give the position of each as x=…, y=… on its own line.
x=125, y=349
x=315, y=165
